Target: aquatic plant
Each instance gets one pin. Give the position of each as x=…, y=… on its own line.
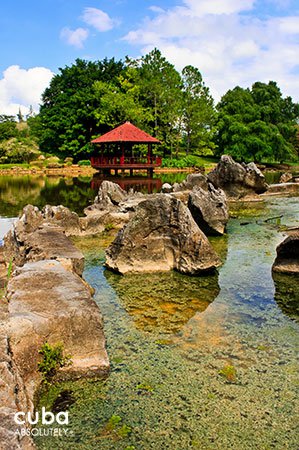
x=229, y=373
x=53, y=360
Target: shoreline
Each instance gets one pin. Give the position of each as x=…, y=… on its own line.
x=73, y=171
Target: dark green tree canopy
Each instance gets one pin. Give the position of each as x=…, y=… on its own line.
x=67, y=113
x=88, y=98
x=257, y=124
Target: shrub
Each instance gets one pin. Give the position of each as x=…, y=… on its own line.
x=84, y=162
x=53, y=360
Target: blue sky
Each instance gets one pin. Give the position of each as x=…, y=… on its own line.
x=232, y=42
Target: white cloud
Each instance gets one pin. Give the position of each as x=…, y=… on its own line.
x=74, y=37
x=229, y=47
x=290, y=25
x=20, y=88
x=203, y=7
x=98, y=19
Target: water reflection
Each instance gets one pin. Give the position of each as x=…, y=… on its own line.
x=75, y=193
x=163, y=302
x=287, y=293
x=18, y=191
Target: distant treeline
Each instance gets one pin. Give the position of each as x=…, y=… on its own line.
x=89, y=98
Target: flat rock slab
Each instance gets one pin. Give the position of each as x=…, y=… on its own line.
x=49, y=303
x=46, y=242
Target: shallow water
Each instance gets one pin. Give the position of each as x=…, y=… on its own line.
x=197, y=362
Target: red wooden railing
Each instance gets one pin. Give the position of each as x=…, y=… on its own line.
x=106, y=161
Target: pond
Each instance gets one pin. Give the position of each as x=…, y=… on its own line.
x=75, y=193
x=197, y=362
x=203, y=362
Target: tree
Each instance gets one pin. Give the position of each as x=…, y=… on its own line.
x=160, y=93
x=8, y=127
x=67, y=113
x=257, y=124
x=198, y=111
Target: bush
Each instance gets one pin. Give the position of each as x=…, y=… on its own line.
x=84, y=162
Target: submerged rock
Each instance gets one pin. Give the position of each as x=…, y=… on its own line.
x=49, y=303
x=209, y=209
x=161, y=236
x=287, y=293
x=237, y=180
x=287, y=259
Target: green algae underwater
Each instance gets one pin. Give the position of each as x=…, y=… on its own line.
x=196, y=362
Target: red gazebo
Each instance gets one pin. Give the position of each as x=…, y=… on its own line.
x=116, y=151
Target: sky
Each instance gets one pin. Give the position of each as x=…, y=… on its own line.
x=231, y=42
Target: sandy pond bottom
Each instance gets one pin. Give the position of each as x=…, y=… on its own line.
x=197, y=363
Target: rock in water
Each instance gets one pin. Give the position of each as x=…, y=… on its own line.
x=287, y=259
x=161, y=236
x=46, y=302
x=110, y=194
x=237, y=180
x=209, y=209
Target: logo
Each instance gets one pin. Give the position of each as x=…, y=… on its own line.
x=45, y=418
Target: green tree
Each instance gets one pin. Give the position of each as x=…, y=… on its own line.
x=257, y=124
x=67, y=113
x=161, y=94
x=8, y=127
x=198, y=112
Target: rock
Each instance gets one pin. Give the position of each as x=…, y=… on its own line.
x=287, y=293
x=109, y=194
x=286, y=177
x=287, y=259
x=283, y=189
x=12, y=392
x=237, y=180
x=47, y=242
x=192, y=180
x=62, y=217
x=209, y=209
x=166, y=188
x=161, y=236
x=49, y=303
x=3, y=270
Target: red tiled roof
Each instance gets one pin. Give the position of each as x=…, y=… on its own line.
x=126, y=133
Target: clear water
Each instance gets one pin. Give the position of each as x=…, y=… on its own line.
x=197, y=362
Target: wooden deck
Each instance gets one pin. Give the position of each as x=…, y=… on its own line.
x=126, y=162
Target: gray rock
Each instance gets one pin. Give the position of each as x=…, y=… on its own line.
x=287, y=259
x=46, y=242
x=286, y=177
x=109, y=194
x=49, y=303
x=166, y=188
x=209, y=209
x=161, y=236
x=237, y=180
x=192, y=180
x=62, y=217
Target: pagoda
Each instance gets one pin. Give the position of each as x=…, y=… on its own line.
x=117, y=150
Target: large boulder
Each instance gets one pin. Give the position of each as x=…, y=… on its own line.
x=161, y=236
x=237, y=180
x=287, y=259
x=209, y=209
x=192, y=180
x=46, y=302
x=110, y=194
